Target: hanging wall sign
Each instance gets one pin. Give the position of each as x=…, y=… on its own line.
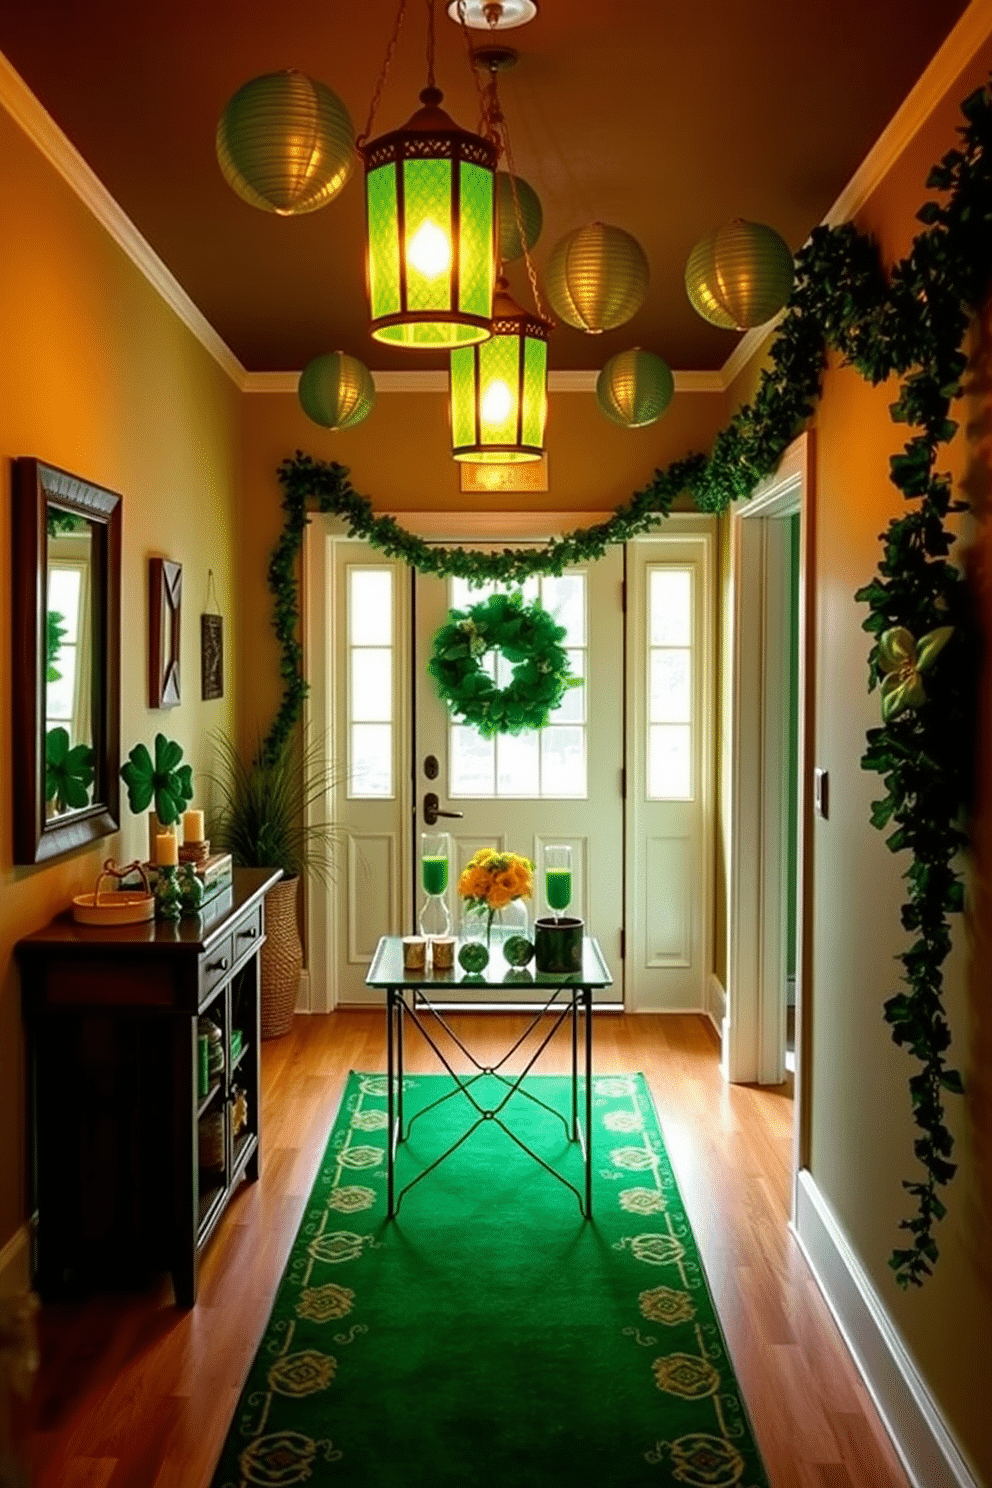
x=211, y=647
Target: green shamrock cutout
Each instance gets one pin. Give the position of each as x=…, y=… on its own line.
x=163, y=780
x=903, y=660
x=68, y=772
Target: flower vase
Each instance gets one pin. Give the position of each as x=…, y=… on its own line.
x=512, y=919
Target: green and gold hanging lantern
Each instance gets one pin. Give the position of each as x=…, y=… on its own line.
x=597, y=277
x=430, y=202
x=499, y=396
x=635, y=388
x=336, y=391
x=739, y=275
x=285, y=143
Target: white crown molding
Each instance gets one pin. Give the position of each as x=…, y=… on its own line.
x=971, y=31
x=43, y=132
x=423, y=381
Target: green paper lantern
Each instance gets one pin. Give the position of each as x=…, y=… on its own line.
x=336, y=391
x=285, y=143
x=499, y=398
x=508, y=228
x=597, y=277
x=635, y=388
x=739, y=275
x=430, y=201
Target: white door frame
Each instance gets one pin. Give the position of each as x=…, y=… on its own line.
x=753, y=1032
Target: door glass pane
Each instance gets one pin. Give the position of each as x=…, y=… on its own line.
x=371, y=759
x=563, y=761
x=371, y=684
x=518, y=765
x=564, y=598
x=669, y=762
x=671, y=607
x=370, y=607
x=572, y=708
x=670, y=692
x=472, y=762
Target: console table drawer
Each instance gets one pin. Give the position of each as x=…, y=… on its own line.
x=217, y=963
x=248, y=933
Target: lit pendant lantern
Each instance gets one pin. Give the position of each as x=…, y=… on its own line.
x=635, y=388
x=499, y=396
x=336, y=391
x=739, y=275
x=285, y=143
x=430, y=201
x=597, y=277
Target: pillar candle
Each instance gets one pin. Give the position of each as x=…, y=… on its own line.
x=166, y=849
x=192, y=826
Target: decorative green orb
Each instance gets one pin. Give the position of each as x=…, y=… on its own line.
x=336, y=390
x=473, y=956
x=739, y=275
x=508, y=227
x=518, y=950
x=635, y=388
x=597, y=277
x=285, y=143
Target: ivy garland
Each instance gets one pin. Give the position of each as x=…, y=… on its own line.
x=910, y=323
x=527, y=636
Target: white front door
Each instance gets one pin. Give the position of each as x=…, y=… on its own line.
x=561, y=784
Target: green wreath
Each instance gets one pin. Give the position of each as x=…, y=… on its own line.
x=529, y=638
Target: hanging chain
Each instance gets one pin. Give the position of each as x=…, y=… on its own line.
x=480, y=87
x=431, y=80
x=500, y=124
x=377, y=95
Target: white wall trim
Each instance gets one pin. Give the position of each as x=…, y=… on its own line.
x=15, y=1263
x=43, y=132
x=423, y=381
x=929, y=1453
x=716, y=1003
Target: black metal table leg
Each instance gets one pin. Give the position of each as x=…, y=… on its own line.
x=400, y=1017
x=390, y=1014
x=575, y=1068
x=587, y=1000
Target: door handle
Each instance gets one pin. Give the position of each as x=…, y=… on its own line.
x=432, y=810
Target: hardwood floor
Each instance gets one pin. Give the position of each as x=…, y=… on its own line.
x=133, y=1394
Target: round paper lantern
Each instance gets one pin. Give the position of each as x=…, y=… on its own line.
x=507, y=227
x=285, y=143
x=597, y=277
x=739, y=275
x=336, y=391
x=635, y=388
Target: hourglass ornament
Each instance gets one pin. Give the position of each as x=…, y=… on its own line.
x=558, y=879
x=435, y=854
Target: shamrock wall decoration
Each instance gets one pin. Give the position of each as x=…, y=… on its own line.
x=169, y=785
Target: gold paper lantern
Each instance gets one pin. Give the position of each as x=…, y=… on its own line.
x=635, y=388
x=336, y=391
x=597, y=277
x=285, y=143
x=739, y=275
x=508, y=228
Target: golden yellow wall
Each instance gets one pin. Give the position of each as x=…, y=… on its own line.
x=400, y=458
x=861, y=1131
x=98, y=376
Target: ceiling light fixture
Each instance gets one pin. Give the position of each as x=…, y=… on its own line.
x=492, y=15
x=739, y=275
x=430, y=201
x=499, y=388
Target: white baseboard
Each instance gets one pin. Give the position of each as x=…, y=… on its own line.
x=15, y=1263
x=929, y=1453
x=716, y=1003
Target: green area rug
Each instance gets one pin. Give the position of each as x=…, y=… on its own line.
x=490, y=1335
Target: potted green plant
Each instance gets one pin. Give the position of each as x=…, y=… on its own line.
x=265, y=818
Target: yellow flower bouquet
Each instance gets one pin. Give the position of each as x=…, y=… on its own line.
x=491, y=879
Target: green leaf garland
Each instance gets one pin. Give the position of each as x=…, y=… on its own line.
x=910, y=323
x=527, y=636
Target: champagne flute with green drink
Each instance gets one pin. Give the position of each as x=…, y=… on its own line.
x=558, y=879
x=435, y=854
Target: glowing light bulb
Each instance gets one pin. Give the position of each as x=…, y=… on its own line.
x=429, y=250
x=497, y=402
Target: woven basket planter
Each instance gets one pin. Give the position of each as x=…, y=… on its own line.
x=282, y=959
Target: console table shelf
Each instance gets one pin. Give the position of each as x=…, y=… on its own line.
x=121, y=1185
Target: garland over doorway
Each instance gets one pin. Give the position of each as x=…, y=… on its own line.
x=911, y=323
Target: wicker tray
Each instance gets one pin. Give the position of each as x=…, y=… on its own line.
x=115, y=906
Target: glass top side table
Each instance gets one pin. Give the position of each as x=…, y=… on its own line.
x=421, y=996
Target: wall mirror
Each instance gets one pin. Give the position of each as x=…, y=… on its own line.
x=66, y=661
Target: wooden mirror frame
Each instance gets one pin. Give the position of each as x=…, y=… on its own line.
x=37, y=838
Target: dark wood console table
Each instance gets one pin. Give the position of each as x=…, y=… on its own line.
x=116, y=1112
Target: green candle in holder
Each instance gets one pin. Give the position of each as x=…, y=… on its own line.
x=435, y=854
x=558, y=878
